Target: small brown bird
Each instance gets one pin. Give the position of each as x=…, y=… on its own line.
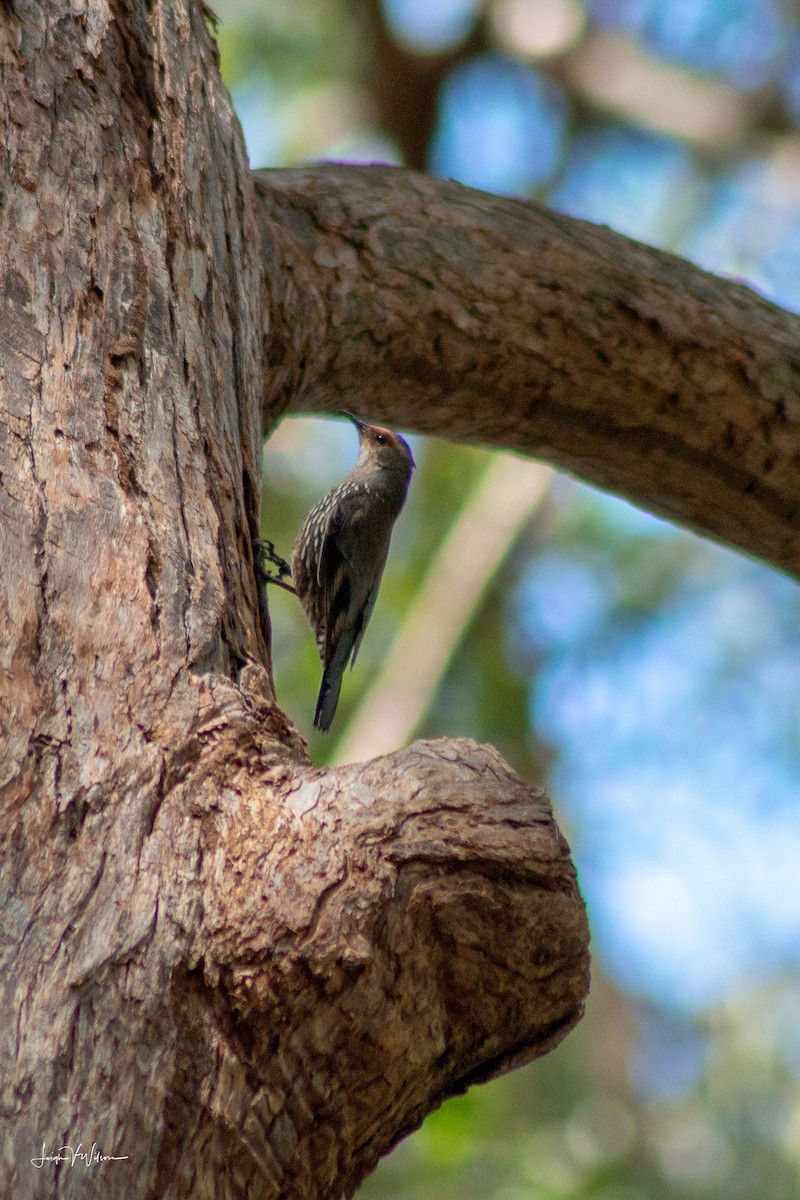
x=341, y=550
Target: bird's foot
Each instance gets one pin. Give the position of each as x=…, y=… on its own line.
x=267, y=548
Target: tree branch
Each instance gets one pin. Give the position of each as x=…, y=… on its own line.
x=441, y=309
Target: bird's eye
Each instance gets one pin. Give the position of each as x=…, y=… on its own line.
x=380, y=438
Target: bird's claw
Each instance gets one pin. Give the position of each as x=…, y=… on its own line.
x=267, y=548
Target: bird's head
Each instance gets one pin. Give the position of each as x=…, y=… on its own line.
x=381, y=446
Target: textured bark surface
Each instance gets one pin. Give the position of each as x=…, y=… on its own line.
x=439, y=309
x=242, y=976
x=131, y=352
x=400, y=929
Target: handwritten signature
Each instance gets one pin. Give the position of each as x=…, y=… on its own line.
x=73, y=1155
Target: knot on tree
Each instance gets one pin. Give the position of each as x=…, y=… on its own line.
x=375, y=939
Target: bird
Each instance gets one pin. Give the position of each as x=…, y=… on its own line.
x=341, y=550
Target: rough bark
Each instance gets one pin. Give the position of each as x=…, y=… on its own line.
x=243, y=976
x=443, y=310
x=374, y=939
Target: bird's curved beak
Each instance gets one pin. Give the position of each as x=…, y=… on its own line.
x=359, y=424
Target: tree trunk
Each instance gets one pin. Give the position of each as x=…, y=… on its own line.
x=236, y=975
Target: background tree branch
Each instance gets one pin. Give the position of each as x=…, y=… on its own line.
x=443, y=310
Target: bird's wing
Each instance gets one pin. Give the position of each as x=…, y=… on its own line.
x=332, y=583
x=363, y=619
x=375, y=528
x=351, y=562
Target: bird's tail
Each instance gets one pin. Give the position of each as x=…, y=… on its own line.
x=330, y=687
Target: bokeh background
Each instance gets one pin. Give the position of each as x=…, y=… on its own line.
x=651, y=679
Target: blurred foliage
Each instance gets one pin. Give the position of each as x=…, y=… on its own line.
x=650, y=678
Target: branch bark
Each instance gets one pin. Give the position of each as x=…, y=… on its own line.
x=439, y=309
